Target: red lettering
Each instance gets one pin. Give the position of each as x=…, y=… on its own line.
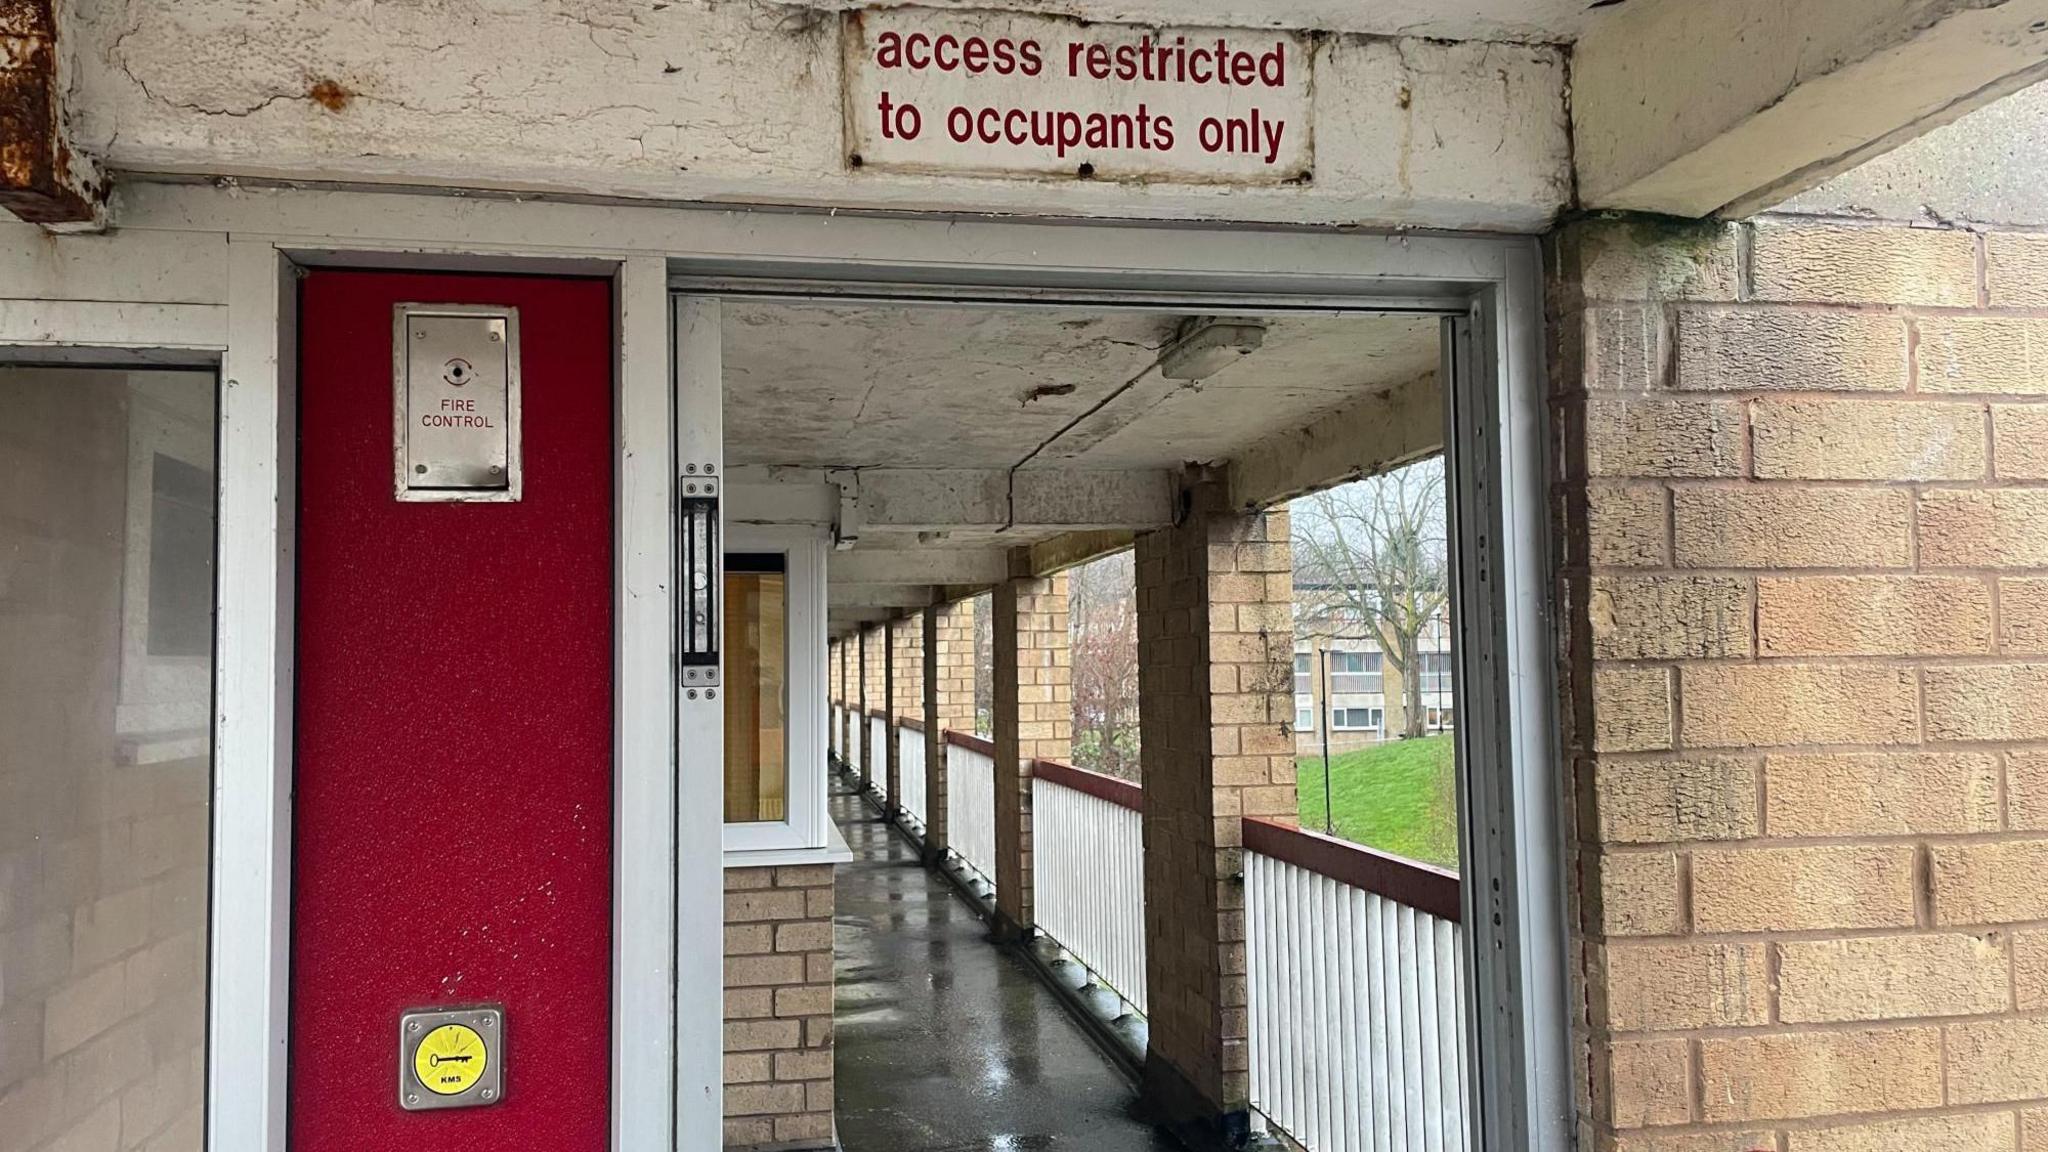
x=976, y=54
x=1074, y=51
x=960, y=124
x=910, y=49
x=1273, y=66
x=1098, y=61
x=1006, y=57
x=1016, y=126
x=1126, y=62
x=1029, y=54
x=939, y=53
x=889, y=50
x=1195, y=60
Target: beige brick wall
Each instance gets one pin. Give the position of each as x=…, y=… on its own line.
x=103, y=859
x=1034, y=720
x=949, y=703
x=778, y=1007
x=1805, y=699
x=906, y=694
x=1216, y=715
x=874, y=690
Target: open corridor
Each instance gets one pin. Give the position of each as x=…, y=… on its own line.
x=947, y=1043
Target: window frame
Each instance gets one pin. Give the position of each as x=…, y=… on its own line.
x=806, y=826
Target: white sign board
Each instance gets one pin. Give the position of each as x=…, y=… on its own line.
x=1011, y=94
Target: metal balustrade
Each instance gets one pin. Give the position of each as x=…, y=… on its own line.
x=1088, y=865
x=877, y=774
x=971, y=802
x=1357, y=1000
x=913, y=783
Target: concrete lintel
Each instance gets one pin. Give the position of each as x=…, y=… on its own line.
x=1690, y=109
x=939, y=499
x=881, y=596
x=1381, y=431
x=42, y=181
x=1074, y=548
x=920, y=566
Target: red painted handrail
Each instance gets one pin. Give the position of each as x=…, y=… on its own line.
x=971, y=742
x=1420, y=886
x=1122, y=793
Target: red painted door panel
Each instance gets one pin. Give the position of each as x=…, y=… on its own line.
x=452, y=813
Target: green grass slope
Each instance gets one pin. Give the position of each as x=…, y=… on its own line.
x=1398, y=797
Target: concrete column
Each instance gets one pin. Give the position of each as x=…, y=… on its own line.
x=1034, y=706
x=848, y=690
x=835, y=685
x=948, y=704
x=1216, y=725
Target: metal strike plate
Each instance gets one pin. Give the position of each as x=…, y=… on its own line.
x=451, y=1057
x=455, y=402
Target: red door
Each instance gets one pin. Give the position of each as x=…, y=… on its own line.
x=452, y=831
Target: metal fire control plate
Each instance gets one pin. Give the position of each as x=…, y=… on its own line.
x=451, y=1058
x=455, y=402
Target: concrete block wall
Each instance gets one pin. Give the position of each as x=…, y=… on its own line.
x=778, y=1008
x=1034, y=720
x=1805, y=631
x=1216, y=716
x=103, y=858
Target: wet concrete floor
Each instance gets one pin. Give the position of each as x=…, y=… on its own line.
x=947, y=1043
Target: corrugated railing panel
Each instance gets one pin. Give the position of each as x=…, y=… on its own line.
x=1088, y=863
x=1355, y=972
x=913, y=802
x=835, y=732
x=971, y=802
x=878, y=772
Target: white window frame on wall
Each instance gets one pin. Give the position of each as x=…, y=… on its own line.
x=802, y=548
x=220, y=262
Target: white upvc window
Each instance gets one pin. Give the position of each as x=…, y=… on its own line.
x=1304, y=713
x=774, y=647
x=1357, y=719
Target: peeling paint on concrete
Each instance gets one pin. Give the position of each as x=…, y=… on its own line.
x=41, y=180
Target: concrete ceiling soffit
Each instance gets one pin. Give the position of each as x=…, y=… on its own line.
x=1731, y=106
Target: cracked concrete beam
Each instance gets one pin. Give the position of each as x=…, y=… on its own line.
x=1693, y=109
x=42, y=181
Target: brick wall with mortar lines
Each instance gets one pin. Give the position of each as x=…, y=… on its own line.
x=874, y=649
x=1034, y=720
x=906, y=693
x=103, y=860
x=950, y=693
x=778, y=1007
x=1805, y=586
x=1216, y=714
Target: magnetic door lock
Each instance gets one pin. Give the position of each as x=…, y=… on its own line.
x=699, y=563
x=455, y=402
x=451, y=1057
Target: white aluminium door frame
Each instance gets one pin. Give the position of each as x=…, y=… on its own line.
x=153, y=292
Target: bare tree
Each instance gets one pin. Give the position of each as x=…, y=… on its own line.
x=1102, y=624
x=985, y=666
x=1373, y=551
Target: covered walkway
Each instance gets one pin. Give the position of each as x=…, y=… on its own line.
x=945, y=1043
